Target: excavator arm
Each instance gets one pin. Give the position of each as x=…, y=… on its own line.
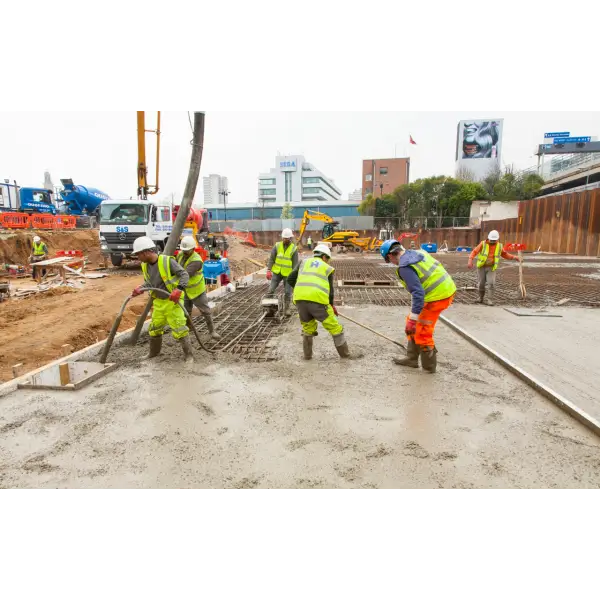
x=311, y=215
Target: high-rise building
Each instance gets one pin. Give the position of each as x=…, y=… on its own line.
x=213, y=188
x=382, y=176
x=294, y=180
x=355, y=196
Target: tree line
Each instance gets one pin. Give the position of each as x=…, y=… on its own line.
x=440, y=200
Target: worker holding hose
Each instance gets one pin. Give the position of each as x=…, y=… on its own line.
x=195, y=292
x=432, y=290
x=165, y=273
x=312, y=281
x=282, y=261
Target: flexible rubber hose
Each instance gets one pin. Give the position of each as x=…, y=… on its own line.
x=115, y=327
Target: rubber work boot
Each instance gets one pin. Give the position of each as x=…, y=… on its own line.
x=307, y=346
x=412, y=356
x=211, y=327
x=186, y=345
x=490, y=299
x=287, y=307
x=344, y=352
x=429, y=358
x=481, y=296
x=155, y=346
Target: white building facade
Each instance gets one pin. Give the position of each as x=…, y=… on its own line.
x=296, y=181
x=214, y=185
x=355, y=196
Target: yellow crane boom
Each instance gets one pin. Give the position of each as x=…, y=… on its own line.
x=144, y=188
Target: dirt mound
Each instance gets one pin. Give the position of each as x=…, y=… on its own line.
x=15, y=247
x=239, y=253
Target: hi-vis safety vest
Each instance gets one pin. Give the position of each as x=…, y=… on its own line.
x=436, y=281
x=483, y=255
x=39, y=249
x=283, y=261
x=313, y=281
x=196, y=284
x=164, y=268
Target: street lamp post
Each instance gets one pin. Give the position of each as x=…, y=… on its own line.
x=225, y=193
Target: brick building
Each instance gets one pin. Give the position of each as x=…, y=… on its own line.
x=384, y=175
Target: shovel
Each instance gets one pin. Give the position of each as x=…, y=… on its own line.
x=385, y=337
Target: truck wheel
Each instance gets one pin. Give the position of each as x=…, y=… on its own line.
x=116, y=260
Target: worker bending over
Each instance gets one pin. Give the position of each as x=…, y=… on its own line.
x=283, y=259
x=195, y=292
x=39, y=251
x=165, y=273
x=432, y=290
x=312, y=281
x=488, y=255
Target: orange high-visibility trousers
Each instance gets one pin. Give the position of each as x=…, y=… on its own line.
x=427, y=319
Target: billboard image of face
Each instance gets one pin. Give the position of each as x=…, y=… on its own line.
x=480, y=139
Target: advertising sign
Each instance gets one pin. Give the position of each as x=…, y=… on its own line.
x=479, y=146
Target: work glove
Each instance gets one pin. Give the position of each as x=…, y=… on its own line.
x=335, y=312
x=269, y=275
x=137, y=292
x=410, y=327
x=470, y=264
x=175, y=296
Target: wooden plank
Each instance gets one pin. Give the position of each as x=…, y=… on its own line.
x=63, y=370
x=17, y=370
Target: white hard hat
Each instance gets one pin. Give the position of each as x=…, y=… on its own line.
x=37, y=238
x=287, y=234
x=143, y=243
x=188, y=243
x=493, y=235
x=322, y=249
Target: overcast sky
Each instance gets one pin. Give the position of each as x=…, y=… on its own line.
x=99, y=149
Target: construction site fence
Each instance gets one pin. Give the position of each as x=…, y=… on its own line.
x=36, y=221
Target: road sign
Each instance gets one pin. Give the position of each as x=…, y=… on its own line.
x=559, y=134
x=572, y=140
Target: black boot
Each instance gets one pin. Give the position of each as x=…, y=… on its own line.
x=155, y=346
x=412, y=356
x=429, y=358
x=307, y=346
x=187, y=349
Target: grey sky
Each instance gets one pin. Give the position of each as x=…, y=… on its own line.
x=99, y=149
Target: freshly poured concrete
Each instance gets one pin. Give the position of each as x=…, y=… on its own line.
x=561, y=352
x=297, y=424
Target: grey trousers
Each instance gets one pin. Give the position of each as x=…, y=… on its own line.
x=275, y=281
x=486, y=278
x=200, y=301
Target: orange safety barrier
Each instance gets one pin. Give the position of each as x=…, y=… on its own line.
x=42, y=221
x=69, y=253
x=15, y=220
x=65, y=222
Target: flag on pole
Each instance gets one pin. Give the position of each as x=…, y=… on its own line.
x=412, y=141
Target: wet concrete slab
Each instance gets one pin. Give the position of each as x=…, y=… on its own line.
x=325, y=423
x=560, y=352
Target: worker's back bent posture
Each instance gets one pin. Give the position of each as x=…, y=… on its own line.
x=282, y=261
x=163, y=272
x=488, y=255
x=312, y=281
x=39, y=251
x=195, y=292
x=432, y=290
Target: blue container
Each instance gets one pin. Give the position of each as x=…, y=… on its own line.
x=213, y=269
x=431, y=248
x=464, y=249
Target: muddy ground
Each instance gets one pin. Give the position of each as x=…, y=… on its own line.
x=326, y=423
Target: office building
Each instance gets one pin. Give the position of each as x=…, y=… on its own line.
x=213, y=188
x=296, y=181
x=382, y=176
x=355, y=196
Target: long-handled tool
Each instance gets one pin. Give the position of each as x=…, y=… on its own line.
x=115, y=327
x=385, y=337
x=521, y=284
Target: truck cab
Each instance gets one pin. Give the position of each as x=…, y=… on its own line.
x=38, y=200
x=122, y=221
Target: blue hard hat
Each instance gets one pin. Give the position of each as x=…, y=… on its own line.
x=387, y=246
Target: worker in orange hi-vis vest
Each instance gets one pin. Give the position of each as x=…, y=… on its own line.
x=488, y=255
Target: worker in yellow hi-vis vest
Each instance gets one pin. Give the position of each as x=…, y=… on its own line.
x=312, y=281
x=39, y=252
x=282, y=261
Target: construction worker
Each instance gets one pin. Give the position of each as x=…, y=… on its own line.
x=488, y=255
x=432, y=290
x=283, y=259
x=165, y=273
x=312, y=281
x=309, y=243
x=195, y=292
x=39, y=252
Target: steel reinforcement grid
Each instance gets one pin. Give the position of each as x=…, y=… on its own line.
x=237, y=312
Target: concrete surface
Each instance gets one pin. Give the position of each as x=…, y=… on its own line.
x=326, y=423
x=560, y=352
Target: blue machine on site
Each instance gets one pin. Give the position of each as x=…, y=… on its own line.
x=81, y=200
x=213, y=269
x=37, y=200
x=430, y=248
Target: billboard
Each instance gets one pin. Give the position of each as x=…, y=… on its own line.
x=478, y=146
